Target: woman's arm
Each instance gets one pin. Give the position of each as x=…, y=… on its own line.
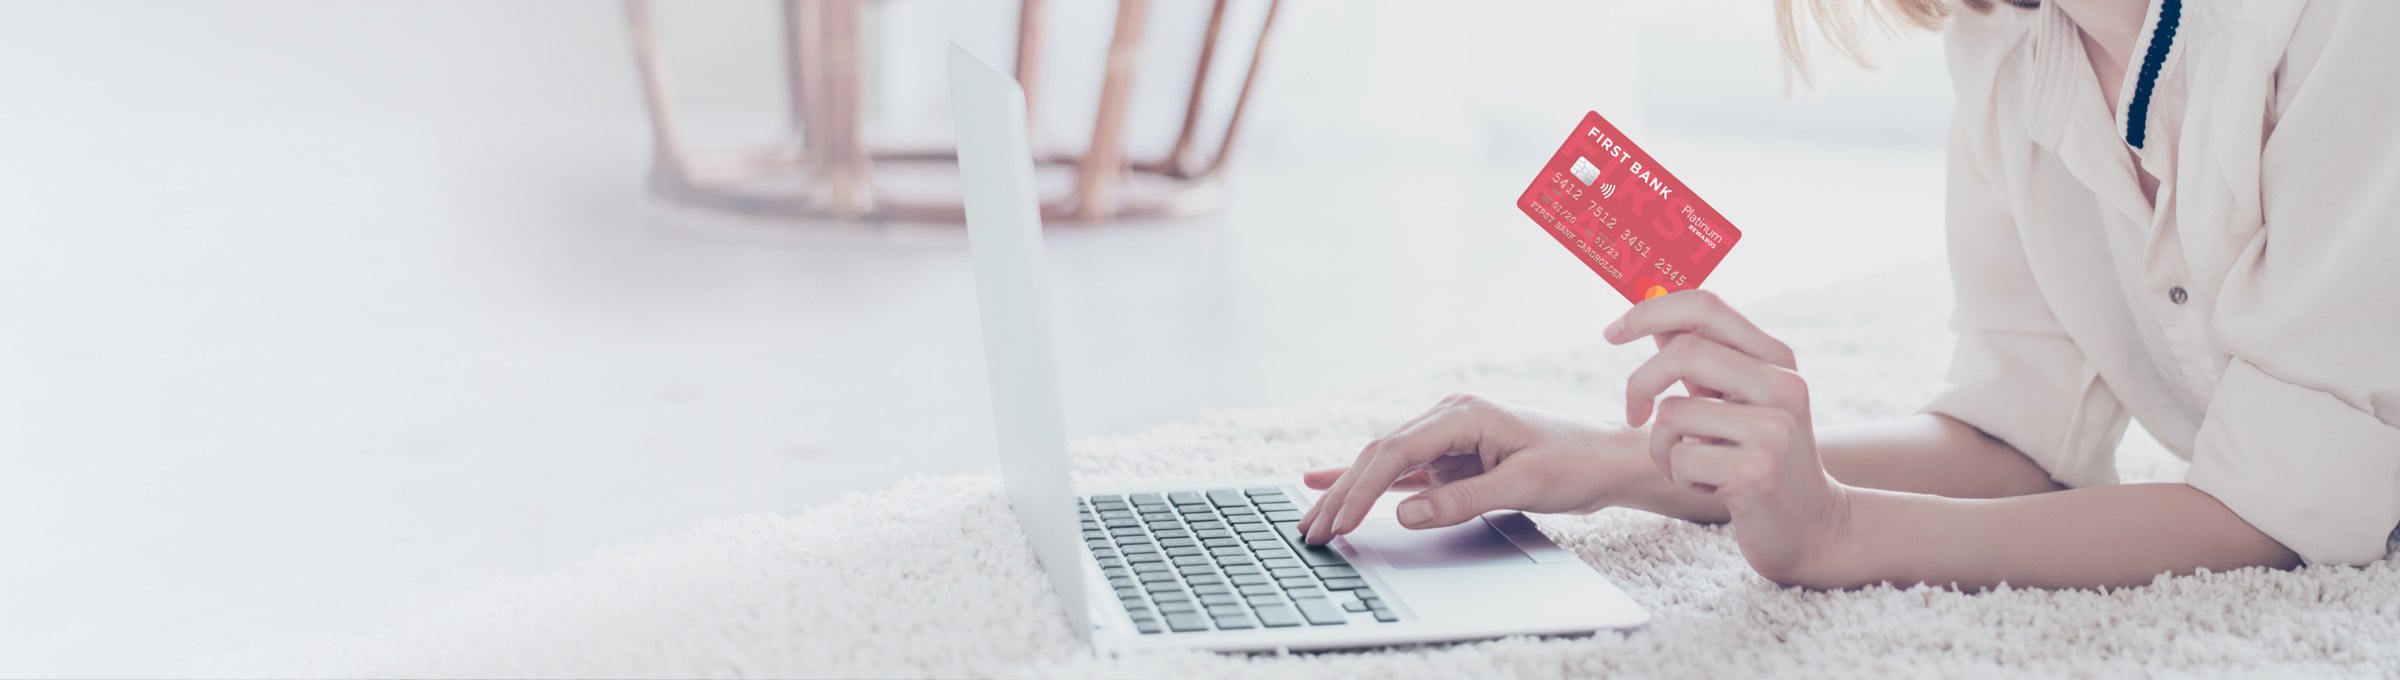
x=2120, y=535
x=1748, y=442
x=1920, y=454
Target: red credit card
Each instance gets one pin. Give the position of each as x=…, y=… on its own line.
x=1624, y=216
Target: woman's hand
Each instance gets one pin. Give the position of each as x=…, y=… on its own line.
x=1743, y=436
x=1471, y=456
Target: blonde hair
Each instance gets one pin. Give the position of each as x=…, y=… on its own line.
x=1858, y=29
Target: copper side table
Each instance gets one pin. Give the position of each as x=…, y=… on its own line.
x=835, y=172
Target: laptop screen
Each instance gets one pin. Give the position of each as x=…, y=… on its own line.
x=1004, y=228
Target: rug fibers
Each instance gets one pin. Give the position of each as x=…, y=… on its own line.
x=931, y=577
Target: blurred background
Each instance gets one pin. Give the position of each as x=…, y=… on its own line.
x=312, y=309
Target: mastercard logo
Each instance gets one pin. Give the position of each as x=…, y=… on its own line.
x=1654, y=291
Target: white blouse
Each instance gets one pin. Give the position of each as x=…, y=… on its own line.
x=2250, y=317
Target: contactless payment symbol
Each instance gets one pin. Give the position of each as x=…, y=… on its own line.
x=1584, y=170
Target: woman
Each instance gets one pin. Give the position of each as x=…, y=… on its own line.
x=2185, y=212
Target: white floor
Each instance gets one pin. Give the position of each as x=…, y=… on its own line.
x=267, y=374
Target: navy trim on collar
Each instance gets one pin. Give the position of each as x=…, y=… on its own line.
x=2162, y=38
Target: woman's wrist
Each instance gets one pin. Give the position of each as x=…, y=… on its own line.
x=1840, y=559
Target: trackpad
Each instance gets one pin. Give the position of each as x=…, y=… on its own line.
x=1473, y=544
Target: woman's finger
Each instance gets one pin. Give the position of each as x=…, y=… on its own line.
x=1686, y=422
x=1462, y=500
x=1457, y=428
x=1681, y=418
x=1710, y=467
x=1703, y=313
x=1323, y=479
x=1661, y=341
x=1308, y=517
x=1702, y=364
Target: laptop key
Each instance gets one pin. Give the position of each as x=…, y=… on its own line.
x=1184, y=551
x=1220, y=543
x=1354, y=606
x=1251, y=580
x=1177, y=607
x=1277, y=507
x=1158, y=577
x=1191, y=560
x=1322, y=556
x=1186, y=622
x=1147, y=626
x=1285, y=516
x=1289, y=572
x=1299, y=582
x=1279, y=564
x=1224, y=497
x=1239, y=569
x=1385, y=615
x=1277, y=553
x=1170, y=596
x=1208, y=579
x=1260, y=589
x=1345, y=584
x=1278, y=616
x=1182, y=497
x=1320, y=611
x=1263, y=600
x=1226, y=610
x=1255, y=492
x=1212, y=589
x=1337, y=571
x=1196, y=509
x=1298, y=593
x=1235, y=622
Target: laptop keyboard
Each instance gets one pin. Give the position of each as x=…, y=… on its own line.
x=1225, y=559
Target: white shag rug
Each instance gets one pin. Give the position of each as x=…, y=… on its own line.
x=822, y=594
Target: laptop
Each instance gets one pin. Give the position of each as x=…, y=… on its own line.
x=1217, y=565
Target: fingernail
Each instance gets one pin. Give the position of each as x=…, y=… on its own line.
x=1613, y=327
x=1415, y=512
